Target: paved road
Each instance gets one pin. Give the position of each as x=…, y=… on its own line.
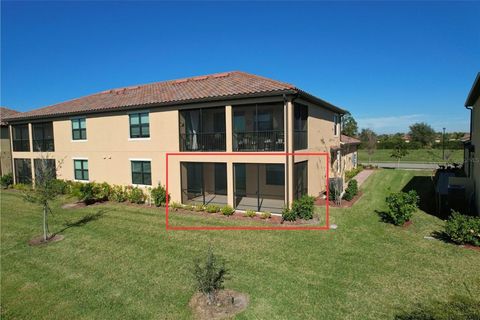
x=405, y=165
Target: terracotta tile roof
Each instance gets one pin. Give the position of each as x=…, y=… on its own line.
x=215, y=86
x=349, y=140
x=5, y=113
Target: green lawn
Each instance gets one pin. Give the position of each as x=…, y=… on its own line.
x=124, y=265
x=420, y=155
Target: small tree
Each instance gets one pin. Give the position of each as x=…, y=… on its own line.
x=422, y=133
x=45, y=190
x=349, y=125
x=398, y=152
x=210, y=276
x=369, y=142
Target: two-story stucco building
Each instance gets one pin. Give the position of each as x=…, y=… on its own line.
x=121, y=136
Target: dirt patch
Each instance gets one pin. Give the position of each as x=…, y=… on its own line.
x=74, y=205
x=345, y=203
x=470, y=247
x=407, y=224
x=39, y=240
x=228, y=304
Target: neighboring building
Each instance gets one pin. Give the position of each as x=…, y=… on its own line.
x=121, y=136
x=349, y=151
x=472, y=147
x=5, y=148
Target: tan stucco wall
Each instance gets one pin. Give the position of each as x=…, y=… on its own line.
x=5, y=150
x=109, y=149
x=321, y=138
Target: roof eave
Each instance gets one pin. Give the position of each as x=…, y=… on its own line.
x=474, y=93
x=307, y=96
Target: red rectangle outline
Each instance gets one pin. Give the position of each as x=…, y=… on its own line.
x=327, y=215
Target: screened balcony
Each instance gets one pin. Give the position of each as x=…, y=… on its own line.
x=258, y=128
x=202, y=130
x=204, y=183
x=259, y=187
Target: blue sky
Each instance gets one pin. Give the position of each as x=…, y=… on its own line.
x=390, y=63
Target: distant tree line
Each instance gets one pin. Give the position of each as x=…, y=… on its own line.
x=420, y=136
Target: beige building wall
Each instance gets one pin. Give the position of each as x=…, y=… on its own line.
x=321, y=137
x=109, y=148
x=6, y=151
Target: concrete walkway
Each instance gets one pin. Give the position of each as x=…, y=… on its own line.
x=362, y=176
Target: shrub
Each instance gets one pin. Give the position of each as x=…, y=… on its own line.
x=303, y=208
x=212, y=208
x=463, y=229
x=85, y=192
x=250, y=213
x=288, y=215
x=401, y=206
x=198, y=207
x=210, y=275
x=6, y=180
x=265, y=215
x=118, y=194
x=175, y=205
x=351, y=191
x=159, y=195
x=60, y=186
x=22, y=187
x=101, y=191
x=227, y=211
x=352, y=173
x=135, y=195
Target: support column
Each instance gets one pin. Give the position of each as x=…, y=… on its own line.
x=230, y=185
x=228, y=128
x=289, y=147
x=32, y=165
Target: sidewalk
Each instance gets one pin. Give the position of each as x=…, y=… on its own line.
x=363, y=176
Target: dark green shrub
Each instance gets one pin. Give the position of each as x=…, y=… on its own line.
x=401, y=206
x=227, y=211
x=463, y=229
x=135, y=195
x=159, y=196
x=118, y=194
x=60, y=186
x=351, y=191
x=86, y=193
x=6, y=180
x=212, y=208
x=288, y=215
x=210, y=275
x=250, y=213
x=303, y=208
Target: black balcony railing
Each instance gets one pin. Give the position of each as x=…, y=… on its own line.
x=43, y=145
x=300, y=140
x=203, y=141
x=259, y=141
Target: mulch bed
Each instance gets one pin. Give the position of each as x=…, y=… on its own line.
x=39, y=240
x=407, y=224
x=228, y=304
x=345, y=204
x=470, y=247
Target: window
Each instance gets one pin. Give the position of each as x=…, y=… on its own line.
x=44, y=169
x=275, y=174
x=264, y=120
x=79, y=129
x=300, y=127
x=81, y=169
x=23, y=171
x=335, y=124
x=141, y=173
x=139, y=125
x=21, y=139
x=43, y=136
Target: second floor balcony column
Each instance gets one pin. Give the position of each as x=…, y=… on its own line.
x=229, y=148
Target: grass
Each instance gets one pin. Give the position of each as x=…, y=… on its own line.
x=118, y=262
x=419, y=155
